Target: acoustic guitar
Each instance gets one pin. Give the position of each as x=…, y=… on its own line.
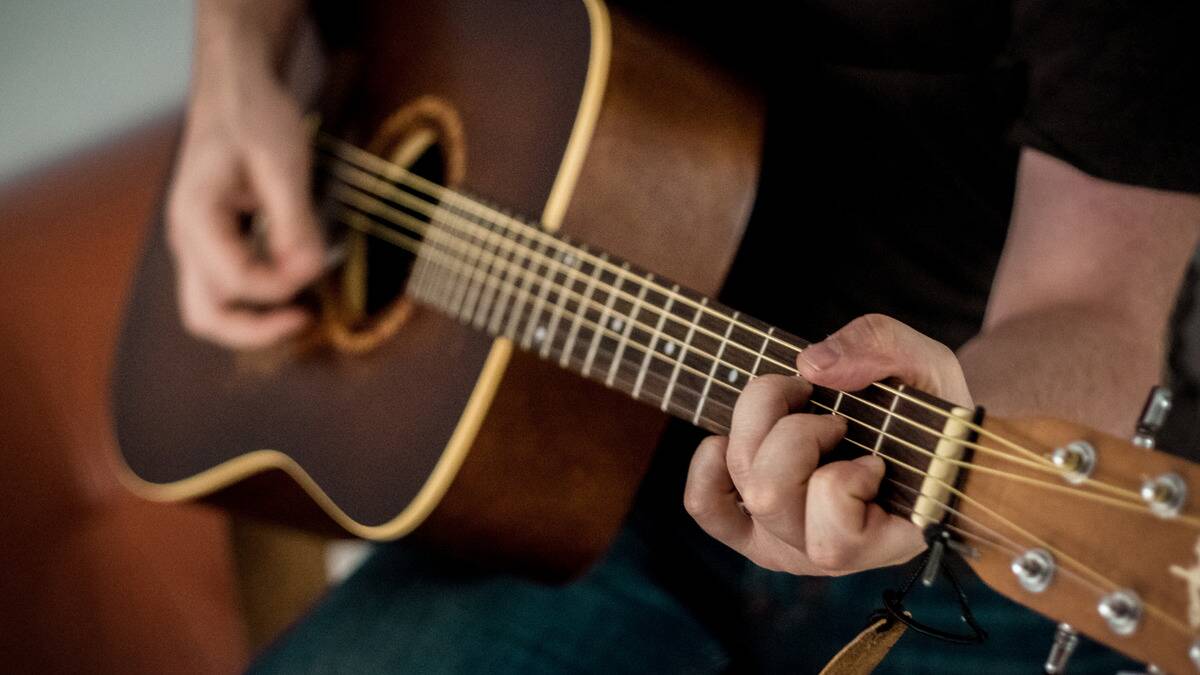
x=441, y=394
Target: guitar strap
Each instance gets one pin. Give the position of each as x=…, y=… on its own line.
x=867, y=650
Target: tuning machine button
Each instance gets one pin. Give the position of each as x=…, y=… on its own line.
x=1034, y=569
x=1065, y=641
x=1076, y=460
x=1154, y=415
x=1122, y=610
x=1165, y=494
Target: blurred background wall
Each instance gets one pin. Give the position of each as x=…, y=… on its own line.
x=74, y=71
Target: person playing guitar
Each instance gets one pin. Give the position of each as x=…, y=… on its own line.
x=1040, y=165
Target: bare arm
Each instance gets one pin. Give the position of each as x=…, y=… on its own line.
x=1074, y=328
x=244, y=151
x=1076, y=325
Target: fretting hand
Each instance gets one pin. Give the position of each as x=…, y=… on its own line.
x=796, y=516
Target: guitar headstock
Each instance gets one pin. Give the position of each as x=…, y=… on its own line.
x=1115, y=554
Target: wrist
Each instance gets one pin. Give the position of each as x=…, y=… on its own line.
x=244, y=35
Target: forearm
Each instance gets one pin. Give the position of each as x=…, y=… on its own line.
x=231, y=32
x=1076, y=363
x=1076, y=324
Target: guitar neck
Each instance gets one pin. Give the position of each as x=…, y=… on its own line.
x=662, y=344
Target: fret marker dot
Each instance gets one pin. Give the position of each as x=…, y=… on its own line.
x=539, y=334
x=669, y=348
x=732, y=376
x=617, y=324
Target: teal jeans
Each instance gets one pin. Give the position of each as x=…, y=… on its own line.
x=666, y=599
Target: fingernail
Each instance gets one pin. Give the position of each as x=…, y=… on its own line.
x=820, y=355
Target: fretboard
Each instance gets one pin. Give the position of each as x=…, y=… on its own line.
x=618, y=324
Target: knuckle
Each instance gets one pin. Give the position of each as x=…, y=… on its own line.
x=764, y=499
x=695, y=503
x=875, y=330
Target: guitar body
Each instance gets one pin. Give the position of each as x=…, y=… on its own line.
x=615, y=135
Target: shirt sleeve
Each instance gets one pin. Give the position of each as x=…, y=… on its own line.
x=1113, y=87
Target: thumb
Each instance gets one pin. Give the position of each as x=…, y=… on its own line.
x=279, y=165
x=875, y=347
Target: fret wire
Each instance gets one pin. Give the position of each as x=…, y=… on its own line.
x=662, y=317
x=531, y=324
x=683, y=350
x=509, y=287
x=558, y=246
x=689, y=346
x=438, y=285
x=713, y=370
x=504, y=296
x=886, y=420
x=507, y=221
x=528, y=278
x=448, y=281
x=581, y=310
x=761, y=351
x=425, y=275
x=715, y=425
x=427, y=251
x=559, y=308
x=464, y=284
x=787, y=346
x=624, y=341
x=475, y=296
x=604, y=318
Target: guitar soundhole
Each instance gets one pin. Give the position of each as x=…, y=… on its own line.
x=365, y=301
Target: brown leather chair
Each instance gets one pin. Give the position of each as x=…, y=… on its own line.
x=92, y=580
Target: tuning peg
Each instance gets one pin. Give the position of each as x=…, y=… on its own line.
x=1065, y=641
x=1154, y=415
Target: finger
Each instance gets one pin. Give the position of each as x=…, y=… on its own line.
x=205, y=234
x=279, y=165
x=875, y=347
x=204, y=316
x=710, y=498
x=845, y=531
x=774, y=490
x=761, y=404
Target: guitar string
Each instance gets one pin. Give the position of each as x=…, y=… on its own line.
x=1190, y=520
x=393, y=173
x=358, y=222
x=1140, y=508
x=418, y=226
x=1064, y=558
x=1045, y=467
x=1011, y=548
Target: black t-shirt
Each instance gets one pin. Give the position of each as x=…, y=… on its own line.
x=893, y=134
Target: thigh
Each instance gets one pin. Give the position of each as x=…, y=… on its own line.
x=406, y=610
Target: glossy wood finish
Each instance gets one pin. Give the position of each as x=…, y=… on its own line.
x=367, y=427
x=674, y=159
x=1129, y=549
x=554, y=467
